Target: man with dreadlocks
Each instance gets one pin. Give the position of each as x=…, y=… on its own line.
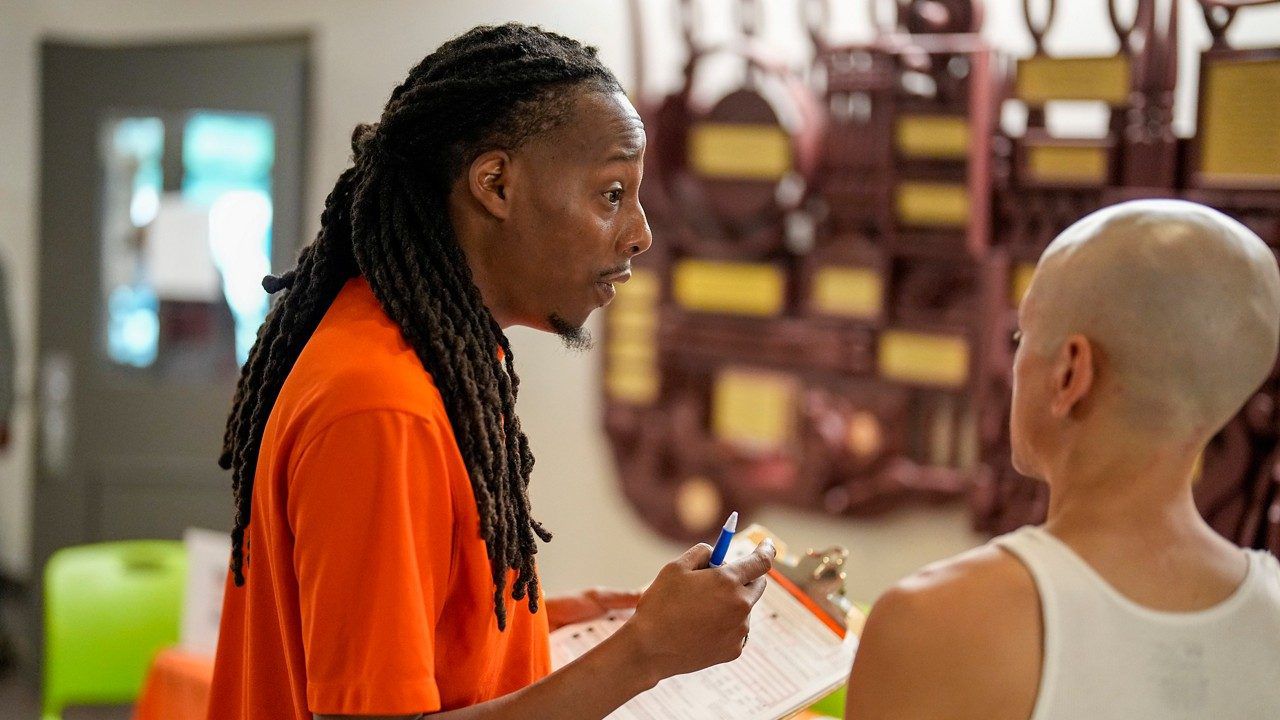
x=383, y=549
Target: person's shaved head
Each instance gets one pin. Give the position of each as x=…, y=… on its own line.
x=1179, y=306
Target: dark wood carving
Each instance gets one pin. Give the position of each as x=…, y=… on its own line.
x=825, y=318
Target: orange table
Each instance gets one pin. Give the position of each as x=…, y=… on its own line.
x=176, y=688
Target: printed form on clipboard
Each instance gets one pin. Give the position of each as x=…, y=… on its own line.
x=797, y=654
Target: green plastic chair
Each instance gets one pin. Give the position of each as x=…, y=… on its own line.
x=108, y=609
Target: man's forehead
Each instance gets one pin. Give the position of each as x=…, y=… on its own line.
x=599, y=128
x=627, y=125
x=628, y=140
x=602, y=127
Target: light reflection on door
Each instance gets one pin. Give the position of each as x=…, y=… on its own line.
x=183, y=261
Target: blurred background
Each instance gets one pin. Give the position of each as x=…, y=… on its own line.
x=160, y=157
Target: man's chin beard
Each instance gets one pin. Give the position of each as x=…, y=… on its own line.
x=574, y=337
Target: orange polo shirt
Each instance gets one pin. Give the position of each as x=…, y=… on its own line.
x=368, y=587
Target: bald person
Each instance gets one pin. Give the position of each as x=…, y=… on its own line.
x=1145, y=328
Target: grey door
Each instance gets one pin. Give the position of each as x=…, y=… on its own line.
x=170, y=183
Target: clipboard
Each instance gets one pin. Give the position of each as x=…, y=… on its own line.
x=818, y=574
x=803, y=636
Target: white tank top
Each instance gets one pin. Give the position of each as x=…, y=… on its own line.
x=1106, y=657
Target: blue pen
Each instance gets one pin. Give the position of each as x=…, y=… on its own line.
x=726, y=535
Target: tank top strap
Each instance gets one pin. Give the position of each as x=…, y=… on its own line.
x=1264, y=572
x=1053, y=566
x=1052, y=574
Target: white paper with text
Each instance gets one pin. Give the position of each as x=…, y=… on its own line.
x=792, y=660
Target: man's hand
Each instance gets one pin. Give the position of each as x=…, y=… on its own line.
x=694, y=616
x=588, y=605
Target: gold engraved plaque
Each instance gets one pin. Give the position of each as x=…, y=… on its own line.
x=847, y=292
x=1069, y=164
x=741, y=151
x=924, y=358
x=927, y=204
x=729, y=287
x=1042, y=79
x=1240, y=131
x=754, y=410
x=944, y=137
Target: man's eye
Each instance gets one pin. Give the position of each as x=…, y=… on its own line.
x=1017, y=336
x=614, y=196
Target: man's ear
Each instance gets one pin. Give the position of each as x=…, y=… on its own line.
x=488, y=181
x=1073, y=375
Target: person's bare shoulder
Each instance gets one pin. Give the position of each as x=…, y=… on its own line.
x=959, y=639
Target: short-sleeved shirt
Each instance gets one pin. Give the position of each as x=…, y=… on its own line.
x=368, y=587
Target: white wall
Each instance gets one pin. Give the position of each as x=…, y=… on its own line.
x=361, y=49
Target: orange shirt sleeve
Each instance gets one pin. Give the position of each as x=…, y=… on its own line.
x=372, y=515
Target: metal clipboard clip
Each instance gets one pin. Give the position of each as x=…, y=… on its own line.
x=820, y=574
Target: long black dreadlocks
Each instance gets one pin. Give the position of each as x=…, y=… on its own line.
x=387, y=220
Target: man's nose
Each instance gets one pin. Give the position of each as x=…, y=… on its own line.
x=638, y=238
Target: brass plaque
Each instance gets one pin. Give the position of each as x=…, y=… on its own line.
x=1042, y=79
x=729, y=287
x=632, y=321
x=929, y=204
x=740, y=151
x=632, y=375
x=924, y=358
x=1020, y=281
x=1240, y=130
x=642, y=288
x=633, y=350
x=638, y=386
x=847, y=292
x=943, y=137
x=1068, y=164
x=633, y=311
x=754, y=410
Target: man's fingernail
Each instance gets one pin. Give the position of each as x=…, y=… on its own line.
x=767, y=543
